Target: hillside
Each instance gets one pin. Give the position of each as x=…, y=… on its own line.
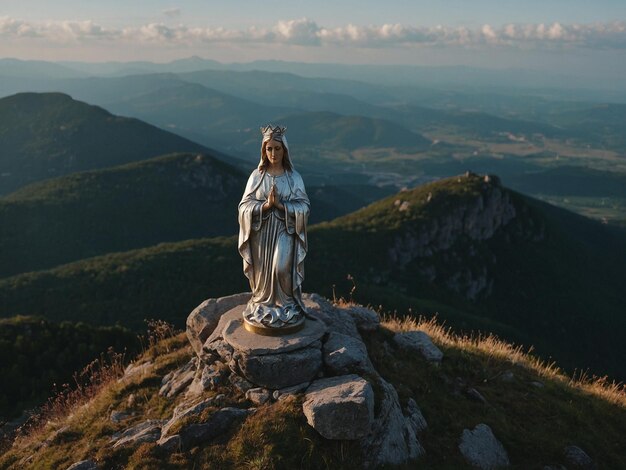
x=150, y=416
x=81, y=215
x=168, y=198
x=37, y=355
x=50, y=134
x=482, y=256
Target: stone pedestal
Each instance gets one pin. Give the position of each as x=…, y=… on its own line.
x=272, y=362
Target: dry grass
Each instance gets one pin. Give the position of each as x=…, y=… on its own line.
x=491, y=346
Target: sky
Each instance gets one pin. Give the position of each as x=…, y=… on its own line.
x=498, y=33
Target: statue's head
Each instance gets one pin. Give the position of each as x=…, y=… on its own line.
x=274, y=146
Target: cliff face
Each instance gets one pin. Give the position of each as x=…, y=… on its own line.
x=452, y=250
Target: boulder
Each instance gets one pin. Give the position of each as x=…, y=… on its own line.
x=204, y=318
x=416, y=418
x=170, y=443
x=276, y=371
x=340, y=407
x=366, y=319
x=392, y=439
x=208, y=378
x=146, y=431
x=83, y=465
x=258, y=396
x=288, y=391
x=218, y=424
x=177, y=380
x=481, y=449
x=345, y=354
x=184, y=411
x=419, y=342
x=335, y=319
x=578, y=458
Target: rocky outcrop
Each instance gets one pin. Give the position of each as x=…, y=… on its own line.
x=448, y=249
x=481, y=449
x=203, y=320
x=420, y=343
x=340, y=407
x=328, y=362
x=146, y=431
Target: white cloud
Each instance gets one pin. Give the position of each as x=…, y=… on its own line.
x=306, y=32
x=172, y=12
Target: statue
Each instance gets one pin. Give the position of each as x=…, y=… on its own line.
x=273, y=216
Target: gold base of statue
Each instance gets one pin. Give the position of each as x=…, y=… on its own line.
x=267, y=331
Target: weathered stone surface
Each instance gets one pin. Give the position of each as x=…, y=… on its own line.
x=170, y=443
x=340, y=407
x=336, y=319
x=345, y=354
x=147, y=431
x=287, y=391
x=219, y=349
x=208, y=378
x=83, y=465
x=252, y=344
x=133, y=370
x=276, y=371
x=419, y=342
x=204, y=318
x=415, y=417
x=235, y=313
x=183, y=411
x=218, y=424
x=119, y=416
x=365, y=319
x=240, y=383
x=481, y=449
x=392, y=439
x=578, y=458
x=258, y=395
x=475, y=395
x=177, y=380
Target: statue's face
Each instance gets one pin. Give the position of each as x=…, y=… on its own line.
x=274, y=151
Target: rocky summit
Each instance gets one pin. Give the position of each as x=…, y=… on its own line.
x=351, y=390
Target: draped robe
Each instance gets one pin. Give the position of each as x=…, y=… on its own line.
x=273, y=245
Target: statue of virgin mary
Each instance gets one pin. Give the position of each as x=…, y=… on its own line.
x=273, y=216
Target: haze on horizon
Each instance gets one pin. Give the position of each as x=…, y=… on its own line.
x=570, y=36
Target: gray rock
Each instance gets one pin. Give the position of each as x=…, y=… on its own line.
x=218, y=424
x=253, y=344
x=345, y=354
x=287, y=391
x=276, y=371
x=170, y=443
x=258, y=395
x=219, y=349
x=365, y=319
x=240, y=383
x=177, y=380
x=146, y=431
x=392, y=439
x=208, y=378
x=133, y=370
x=183, y=411
x=419, y=342
x=119, y=416
x=537, y=384
x=83, y=465
x=415, y=417
x=336, y=319
x=578, y=458
x=340, y=407
x=204, y=318
x=481, y=449
x=235, y=313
